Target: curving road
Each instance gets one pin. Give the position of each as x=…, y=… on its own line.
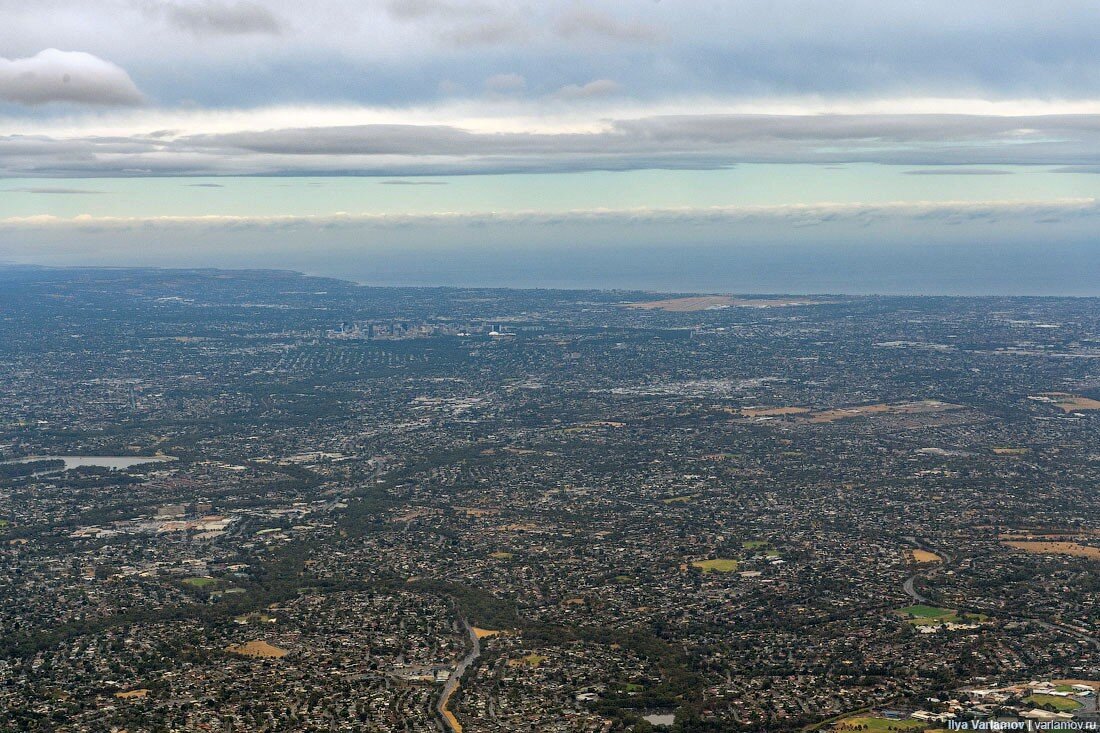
x=907, y=586
x=450, y=723
x=911, y=591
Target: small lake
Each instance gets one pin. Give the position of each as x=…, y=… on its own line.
x=660, y=718
x=112, y=462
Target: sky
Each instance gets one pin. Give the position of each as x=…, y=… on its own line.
x=841, y=145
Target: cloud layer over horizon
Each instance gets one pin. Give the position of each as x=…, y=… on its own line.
x=700, y=111
x=797, y=215
x=700, y=142
x=434, y=87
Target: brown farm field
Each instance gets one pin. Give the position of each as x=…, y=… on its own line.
x=1091, y=683
x=257, y=649
x=899, y=408
x=1008, y=451
x=703, y=302
x=922, y=556
x=132, y=694
x=1069, y=402
x=772, y=411
x=1056, y=548
x=1063, y=535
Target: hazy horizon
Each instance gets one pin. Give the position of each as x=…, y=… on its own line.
x=604, y=144
x=751, y=270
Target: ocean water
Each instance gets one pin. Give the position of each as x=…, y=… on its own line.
x=1004, y=256
x=1033, y=268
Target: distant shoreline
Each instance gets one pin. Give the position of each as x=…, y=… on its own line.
x=640, y=290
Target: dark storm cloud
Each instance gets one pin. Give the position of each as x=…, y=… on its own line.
x=702, y=142
x=750, y=138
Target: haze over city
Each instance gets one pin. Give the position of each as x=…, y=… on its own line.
x=474, y=366
x=749, y=146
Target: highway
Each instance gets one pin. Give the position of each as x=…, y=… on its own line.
x=449, y=721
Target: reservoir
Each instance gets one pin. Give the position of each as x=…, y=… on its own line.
x=112, y=462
